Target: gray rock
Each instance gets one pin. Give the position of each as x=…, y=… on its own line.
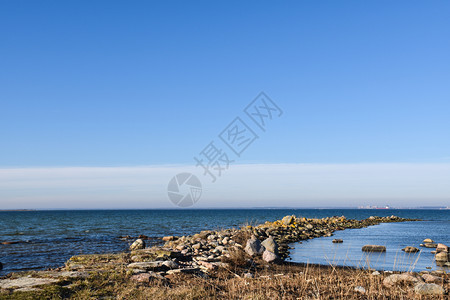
x=184, y=270
x=137, y=245
x=428, y=289
x=25, y=282
x=360, y=289
x=375, y=273
x=410, y=249
x=147, y=265
x=432, y=278
x=373, y=248
x=254, y=247
x=270, y=256
x=249, y=275
x=170, y=264
x=270, y=244
x=395, y=279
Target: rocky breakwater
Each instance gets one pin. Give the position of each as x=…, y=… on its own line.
x=269, y=240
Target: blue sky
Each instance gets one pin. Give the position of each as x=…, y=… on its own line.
x=113, y=84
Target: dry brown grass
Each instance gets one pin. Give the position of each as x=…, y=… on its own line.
x=287, y=281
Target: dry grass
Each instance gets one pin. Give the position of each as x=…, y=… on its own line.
x=287, y=281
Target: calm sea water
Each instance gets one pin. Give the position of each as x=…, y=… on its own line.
x=48, y=238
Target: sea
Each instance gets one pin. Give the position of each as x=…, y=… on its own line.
x=47, y=239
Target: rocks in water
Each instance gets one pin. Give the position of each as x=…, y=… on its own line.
x=395, y=279
x=254, y=247
x=270, y=257
x=168, y=238
x=441, y=257
x=137, y=245
x=441, y=248
x=374, y=248
x=1, y=265
x=270, y=245
x=428, y=289
x=410, y=249
x=337, y=241
x=426, y=241
x=429, y=245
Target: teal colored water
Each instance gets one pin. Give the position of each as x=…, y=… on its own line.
x=48, y=238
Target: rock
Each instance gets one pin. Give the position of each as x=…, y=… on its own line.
x=137, y=245
x=337, y=241
x=184, y=270
x=254, y=247
x=148, y=265
x=146, y=277
x=373, y=248
x=375, y=273
x=441, y=256
x=269, y=244
x=170, y=264
x=410, y=249
x=395, y=279
x=288, y=220
x=207, y=265
x=428, y=289
x=143, y=277
x=25, y=282
x=432, y=279
x=427, y=241
x=441, y=248
x=197, y=246
x=360, y=289
x=1, y=265
x=430, y=245
x=249, y=275
x=168, y=238
x=270, y=256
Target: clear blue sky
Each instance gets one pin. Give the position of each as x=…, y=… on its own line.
x=116, y=83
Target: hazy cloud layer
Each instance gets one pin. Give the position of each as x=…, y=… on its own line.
x=299, y=185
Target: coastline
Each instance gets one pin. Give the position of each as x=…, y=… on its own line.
x=196, y=266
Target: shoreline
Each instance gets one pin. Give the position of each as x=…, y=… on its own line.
x=216, y=257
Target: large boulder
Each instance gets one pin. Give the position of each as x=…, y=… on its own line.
x=441, y=248
x=254, y=247
x=429, y=245
x=373, y=248
x=137, y=245
x=425, y=241
x=441, y=256
x=288, y=220
x=270, y=245
x=428, y=289
x=269, y=256
x=395, y=279
x=410, y=249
